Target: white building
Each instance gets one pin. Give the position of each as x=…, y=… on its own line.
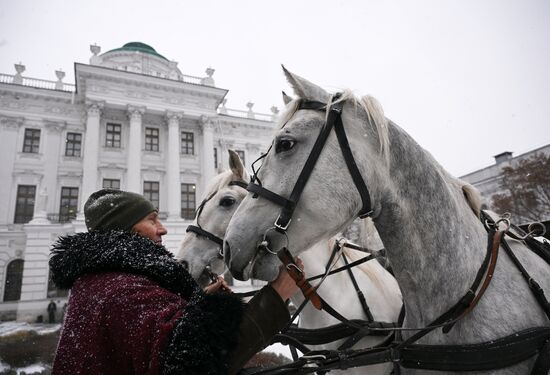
x=132, y=121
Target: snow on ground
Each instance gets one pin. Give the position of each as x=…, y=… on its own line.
x=36, y=368
x=9, y=328
x=278, y=348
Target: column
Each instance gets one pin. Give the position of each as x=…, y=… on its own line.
x=134, y=149
x=173, y=166
x=48, y=189
x=9, y=128
x=207, y=157
x=91, y=152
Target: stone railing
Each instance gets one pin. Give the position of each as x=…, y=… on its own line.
x=245, y=114
x=34, y=82
x=191, y=79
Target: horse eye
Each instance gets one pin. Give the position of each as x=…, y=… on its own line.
x=284, y=145
x=227, y=202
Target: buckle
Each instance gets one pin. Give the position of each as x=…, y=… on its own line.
x=281, y=227
x=366, y=214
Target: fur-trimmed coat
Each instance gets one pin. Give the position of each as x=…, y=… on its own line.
x=134, y=310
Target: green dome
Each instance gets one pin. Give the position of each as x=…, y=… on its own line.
x=138, y=46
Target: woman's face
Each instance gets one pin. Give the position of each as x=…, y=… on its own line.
x=151, y=228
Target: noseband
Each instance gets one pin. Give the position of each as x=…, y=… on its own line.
x=334, y=120
x=199, y=231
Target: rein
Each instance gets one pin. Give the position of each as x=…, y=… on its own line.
x=499, y=353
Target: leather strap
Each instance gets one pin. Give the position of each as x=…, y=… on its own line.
x=197, y=229
x=334, y=120
x=285, y=216
x=298, y=276
x=358, y=180
x=201, y=232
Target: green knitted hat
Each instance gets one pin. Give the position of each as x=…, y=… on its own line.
x=110, y=209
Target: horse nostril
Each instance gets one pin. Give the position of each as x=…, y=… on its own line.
x=226, y=252
x=185, y=264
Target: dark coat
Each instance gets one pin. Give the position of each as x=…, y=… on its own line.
x=134, y=310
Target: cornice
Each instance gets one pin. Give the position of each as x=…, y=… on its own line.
x=84, y=71
x=11, y=123
x=29, y=92
x=120, y=167
x=246, y=123
x=55, y=126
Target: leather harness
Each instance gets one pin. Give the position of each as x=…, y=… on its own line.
x=499, y=353
x=199, y=231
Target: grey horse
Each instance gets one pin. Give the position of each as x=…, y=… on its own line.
x=432, y=234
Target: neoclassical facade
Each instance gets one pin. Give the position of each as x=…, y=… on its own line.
x=130, y=121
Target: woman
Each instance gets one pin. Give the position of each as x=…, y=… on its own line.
x=134, y=310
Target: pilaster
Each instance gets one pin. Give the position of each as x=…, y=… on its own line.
x=91, y=151
x=207, y=157
x=9, y=128
x=51, y=162
x=135, y=115
x=173, y=166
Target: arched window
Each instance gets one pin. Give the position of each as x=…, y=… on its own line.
x=14, y=279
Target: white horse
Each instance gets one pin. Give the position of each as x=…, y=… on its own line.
x=433, y=238
x=379, y=287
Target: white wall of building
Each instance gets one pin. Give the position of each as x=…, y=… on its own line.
x=136, y=90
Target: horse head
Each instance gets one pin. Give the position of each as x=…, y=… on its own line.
x=329, y=195
x=199, y=248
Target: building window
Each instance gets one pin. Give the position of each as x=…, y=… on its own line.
x=188, y=201
x=31, y=142
x=187, y=143
x=73, y=144
x=112, y=135
x=14, y=280
x=151, y=139
x=215, y=158
x=53, y=292
x=151, y=192
x=110, y=183
x=24, y=206
x=69, y=204
x=241, y=156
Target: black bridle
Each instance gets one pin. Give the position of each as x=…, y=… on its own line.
x=408, y=353
x=334, y=120
x=199, y=231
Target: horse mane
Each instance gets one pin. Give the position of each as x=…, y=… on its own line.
x=473, y=197
x=373, y=109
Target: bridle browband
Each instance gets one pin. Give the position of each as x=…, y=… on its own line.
x=334, y=120
x=199, y=231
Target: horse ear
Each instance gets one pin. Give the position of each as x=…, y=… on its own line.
x=286, y=99
x=305, y=89
x=236, y=165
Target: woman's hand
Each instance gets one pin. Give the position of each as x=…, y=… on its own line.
x=285, y=285
x=219, y=285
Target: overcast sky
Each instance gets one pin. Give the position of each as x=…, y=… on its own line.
x=468, y=79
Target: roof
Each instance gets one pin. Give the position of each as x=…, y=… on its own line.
x=140, y=47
